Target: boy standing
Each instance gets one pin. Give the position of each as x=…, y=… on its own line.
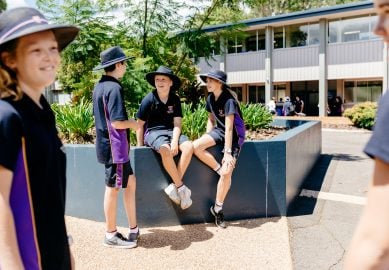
x=112, y=146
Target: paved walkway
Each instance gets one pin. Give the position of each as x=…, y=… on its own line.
x=314, y=235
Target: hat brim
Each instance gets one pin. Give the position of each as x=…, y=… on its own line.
x=204, y=77
x=150, y=78
x=63, y=33
x=112, y=62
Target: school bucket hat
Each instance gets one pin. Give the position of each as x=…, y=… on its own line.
x=22, y=21
x=110, y=57
x=215, y=74
x=162, y=70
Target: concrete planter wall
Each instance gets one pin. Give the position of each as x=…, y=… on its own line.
x=267, y=178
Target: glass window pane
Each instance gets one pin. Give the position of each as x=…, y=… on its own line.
x=296, y=35
x=313, y=34
x=333, y=31
x=373, y=23
x=252, y=94
x=278, y=38
x=231, y=48
x=261, y=40
x=376, y=90
x=261, y=94
x=355, y=29
x=349, y=92
x=362, y=92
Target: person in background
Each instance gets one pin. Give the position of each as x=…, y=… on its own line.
x=112, y=147
x=337, y=107
x=225, y=127
x=299, y=106
x=288, y=107
x=160, y=117
x=32, y=157
x=370, y=244
x=271, y=106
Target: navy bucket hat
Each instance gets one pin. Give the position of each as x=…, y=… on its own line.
x=22, y=21
x=162, y=70
x=110, y=57
x=215, y=74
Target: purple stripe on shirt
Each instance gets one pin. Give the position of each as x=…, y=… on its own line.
x=22, y=210
x=240, y=128
x=119, y=175
x=118, y=139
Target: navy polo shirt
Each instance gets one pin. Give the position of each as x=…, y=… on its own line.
x=31, y=149
x=159, y=115
x=227, y=105
x=112, y=145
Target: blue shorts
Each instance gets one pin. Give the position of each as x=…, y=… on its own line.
x=156, y=138
x=116, y=175
x=218, y=136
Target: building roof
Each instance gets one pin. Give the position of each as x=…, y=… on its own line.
x=358, y=8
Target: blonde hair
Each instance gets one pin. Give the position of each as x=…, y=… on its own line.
x=9, y=86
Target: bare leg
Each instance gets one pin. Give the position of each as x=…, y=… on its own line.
x=110, y=206
x=200, y=145
x=224, y=184
x=129, y=200
x=186, y=155
x=170, y=165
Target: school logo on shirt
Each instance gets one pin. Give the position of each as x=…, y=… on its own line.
x=221, y=113
x=170, y=109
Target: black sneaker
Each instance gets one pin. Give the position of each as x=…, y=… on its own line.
x=219, y=218
x=134, y=237
x=119, y=241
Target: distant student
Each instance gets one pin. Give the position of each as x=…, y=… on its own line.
x=225, y=127
x=112, y=147
x=32, y=157
x=160, y=117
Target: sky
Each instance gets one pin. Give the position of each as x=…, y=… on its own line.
x=18, y=3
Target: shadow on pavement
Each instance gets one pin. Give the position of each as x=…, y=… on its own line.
x=314, y=181
x=347, y=157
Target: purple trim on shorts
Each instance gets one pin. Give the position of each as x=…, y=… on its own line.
x=240, y=128
x=22, y=209
x=118, y=140
x=119, y=176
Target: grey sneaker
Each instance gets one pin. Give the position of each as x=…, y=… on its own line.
x=184, y=195
x=171, y=191
x=119, y=241
x=134, y=237
x=219, y=218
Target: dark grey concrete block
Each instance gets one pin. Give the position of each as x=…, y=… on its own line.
x=267, y=177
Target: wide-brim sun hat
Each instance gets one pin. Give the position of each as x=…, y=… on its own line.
x=215, y=74
x=18, y=22
x=162, y=70
x=111, y=56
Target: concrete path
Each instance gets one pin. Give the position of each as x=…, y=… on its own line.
x=313, y=236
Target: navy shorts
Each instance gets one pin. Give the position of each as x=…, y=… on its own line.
x=218, y=136
x=156, y=138
x=116, y=175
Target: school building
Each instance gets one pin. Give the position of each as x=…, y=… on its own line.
x=316, y=54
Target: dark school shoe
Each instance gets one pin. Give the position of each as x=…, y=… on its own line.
x=219, y=218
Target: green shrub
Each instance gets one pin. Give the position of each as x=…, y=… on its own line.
x=75, y=121
x=256, y=116
x=362, y=115
x=194, y=122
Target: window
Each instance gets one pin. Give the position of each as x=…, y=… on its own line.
x=296, y=35
x=352, y=29
x=279, y=91
x=361, y=91
x=278, y=38
x=256, y=94
x=238, y=91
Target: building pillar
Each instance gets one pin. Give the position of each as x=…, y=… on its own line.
x=269, y=92
x=385, y=76
x=223, y=55
x=323, y=84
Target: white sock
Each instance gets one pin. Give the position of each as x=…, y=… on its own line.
x=134, y=230
x=217, y=169
x=109, y=235
x=181, y=188
x=218, y=206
